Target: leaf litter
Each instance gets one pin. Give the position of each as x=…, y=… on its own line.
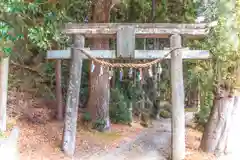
x=41, y=135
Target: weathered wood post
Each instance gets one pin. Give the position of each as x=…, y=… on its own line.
x=70, y=124
x=178, y=116
x=59, y=97
x=4, y=64
x=126, y=42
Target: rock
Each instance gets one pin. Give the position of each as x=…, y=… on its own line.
x=165, y=105
x=165, y=114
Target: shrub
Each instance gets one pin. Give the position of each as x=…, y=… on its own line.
x=119, y=109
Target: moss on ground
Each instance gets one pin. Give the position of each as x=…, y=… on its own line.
x=165, y=114
x=191, y=109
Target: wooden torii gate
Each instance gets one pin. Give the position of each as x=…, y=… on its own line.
x=125, y=35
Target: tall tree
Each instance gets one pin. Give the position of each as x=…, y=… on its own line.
x=99, y=94
x=221, y=127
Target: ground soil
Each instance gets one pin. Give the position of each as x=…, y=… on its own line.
x=41, y=134
x=193, y=138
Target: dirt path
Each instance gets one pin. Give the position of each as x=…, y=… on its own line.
x=150, y=145
x=153, y=144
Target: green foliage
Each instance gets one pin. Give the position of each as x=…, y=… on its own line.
x=84, y=82
x=7, y=40
x=32, y=28
x=1, y=135
x=130, y=90
x=11, y=24
x=166, y=11
x=36, y=27
x=223, y=44
x=205, y=108
x=118, y=108
x=86, y=117
x=99, y=124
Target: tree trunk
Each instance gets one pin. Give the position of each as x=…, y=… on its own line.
x=59, y=96
x=98, y=102
x=219, y=132
x=222, y=131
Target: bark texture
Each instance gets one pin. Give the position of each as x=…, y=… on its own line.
x=221, y=131
x=99, y=95
x=71, y=113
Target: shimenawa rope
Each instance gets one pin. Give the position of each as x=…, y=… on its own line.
x=124, y=65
